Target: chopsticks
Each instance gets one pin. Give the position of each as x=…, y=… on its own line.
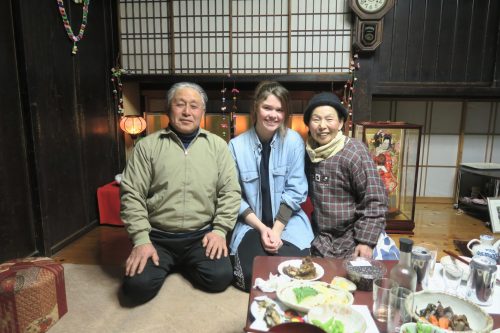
x=456, y=256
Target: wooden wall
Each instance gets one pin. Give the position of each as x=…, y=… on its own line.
x=434, y=48
x=17, y=217
x=59, y=139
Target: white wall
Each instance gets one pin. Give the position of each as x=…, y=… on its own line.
x=454, y=132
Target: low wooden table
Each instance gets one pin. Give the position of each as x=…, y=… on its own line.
x=263, y=265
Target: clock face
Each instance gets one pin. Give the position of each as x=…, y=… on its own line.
x=371, y=6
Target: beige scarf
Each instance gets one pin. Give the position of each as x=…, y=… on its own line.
x=319, y=153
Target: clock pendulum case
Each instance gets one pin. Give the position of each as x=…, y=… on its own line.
x=368, y=24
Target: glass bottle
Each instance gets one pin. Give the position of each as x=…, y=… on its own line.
x=403, y=272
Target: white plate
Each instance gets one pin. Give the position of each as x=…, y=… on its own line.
x=343, y=283
x=296, y=263
x=465, y=268
x=258, y=311
x=326, y=295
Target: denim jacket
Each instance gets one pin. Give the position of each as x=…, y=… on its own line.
x=287, y=183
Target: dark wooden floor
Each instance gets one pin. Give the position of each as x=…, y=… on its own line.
x=437, y=223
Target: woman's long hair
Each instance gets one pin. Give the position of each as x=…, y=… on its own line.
x=263, y=91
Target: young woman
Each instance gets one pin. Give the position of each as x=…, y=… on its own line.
x=270, y=162
x=349, y=198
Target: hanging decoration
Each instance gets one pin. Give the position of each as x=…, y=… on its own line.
x=234, y=108
x=133, y=125
x=67, y=24
x=223, y=109
x=349, y=89
x=116, y=73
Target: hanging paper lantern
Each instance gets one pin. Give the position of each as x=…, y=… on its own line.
x=133, y=125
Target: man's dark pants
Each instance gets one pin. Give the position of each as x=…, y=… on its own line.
x=186, y=252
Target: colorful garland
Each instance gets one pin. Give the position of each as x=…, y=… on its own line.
x=223, y=109
x=234, y=109
x=349, y=92
x=67, y=25
x=116, y=73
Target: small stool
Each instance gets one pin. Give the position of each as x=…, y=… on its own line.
x=32, y=294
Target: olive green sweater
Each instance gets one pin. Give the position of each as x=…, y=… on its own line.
x=167, y=187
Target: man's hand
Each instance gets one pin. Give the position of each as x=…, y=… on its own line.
x=215, y=245
x=271, y=241
x=139, y=257
x=363, y=250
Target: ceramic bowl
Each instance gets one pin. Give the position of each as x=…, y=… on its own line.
x=295, y=328
x=362, y=271
x=479, y=320
x=353, y=320
x=412, y=328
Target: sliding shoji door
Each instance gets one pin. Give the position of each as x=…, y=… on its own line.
x=235, y=36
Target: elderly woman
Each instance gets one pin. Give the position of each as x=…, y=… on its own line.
x=270, y=162
x=349, y=198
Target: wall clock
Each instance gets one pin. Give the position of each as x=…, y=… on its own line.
x=371, y=9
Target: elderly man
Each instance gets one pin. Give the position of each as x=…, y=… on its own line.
x=179, y=197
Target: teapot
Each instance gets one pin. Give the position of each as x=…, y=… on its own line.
x=484, y=247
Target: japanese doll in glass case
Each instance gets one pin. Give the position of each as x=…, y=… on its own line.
x=385, y=147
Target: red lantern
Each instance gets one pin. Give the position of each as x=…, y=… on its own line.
x=133, y=125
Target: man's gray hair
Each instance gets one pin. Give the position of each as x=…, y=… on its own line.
x=180, y=85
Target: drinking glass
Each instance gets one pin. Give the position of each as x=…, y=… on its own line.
x=452, y=276
x=433, y=249
x=397, y=315
x=381, y=292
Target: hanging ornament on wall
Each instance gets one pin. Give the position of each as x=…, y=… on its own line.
x=116, y=73
x=67, y=24
x=223, y=109
x=349, y=89
x=234, y=108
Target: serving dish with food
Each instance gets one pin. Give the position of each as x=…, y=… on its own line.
x=267, y=310
x=419, y=328
x=301, y=269
x=304, y=295
x=334, y=318
x=448, y=312
x=343, y=283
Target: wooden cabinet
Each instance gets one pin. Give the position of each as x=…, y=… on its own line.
x=475, y=183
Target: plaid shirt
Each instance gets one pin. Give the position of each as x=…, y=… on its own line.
x=349, y=199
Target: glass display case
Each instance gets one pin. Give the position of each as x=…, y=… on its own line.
x=395, y=148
